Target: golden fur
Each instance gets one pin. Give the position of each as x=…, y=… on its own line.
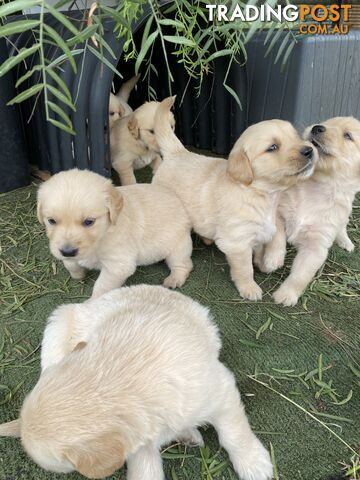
x=133, y=143
x=234, y=202
x=92, y=224
x=149, y=373
x=314, y=214
x=118, y=106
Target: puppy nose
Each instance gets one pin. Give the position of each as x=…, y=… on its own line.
x=317, y=129
x=69, y=251
x=307, y=152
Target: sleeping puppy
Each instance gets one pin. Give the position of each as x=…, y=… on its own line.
x=133, y=143
x=314, y=214
x=234, y=202
x=92, y=224
x=118, y=106
x=124, y=375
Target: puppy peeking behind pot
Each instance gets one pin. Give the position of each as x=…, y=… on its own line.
x=91, y=224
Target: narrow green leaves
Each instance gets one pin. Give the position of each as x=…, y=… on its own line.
x=26, y=94
x=17, y=27
x=13, y=61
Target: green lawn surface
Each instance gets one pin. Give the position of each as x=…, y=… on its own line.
x=298, y=369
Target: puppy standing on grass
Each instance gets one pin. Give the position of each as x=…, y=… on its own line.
x=124, y=375
x=315, y=213
x=92, y=224
x=133, y=142
x=234, y=202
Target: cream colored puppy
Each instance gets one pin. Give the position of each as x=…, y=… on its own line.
x=146, y=371
x=315, y=213
x=93, y=225
x=118, y=106
x=133, y=142
x=234, y=202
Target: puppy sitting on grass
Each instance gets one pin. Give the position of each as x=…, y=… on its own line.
x=133, y=142
x=314, y=214
x=234, y=202
x=92, y=224
x=124, y=375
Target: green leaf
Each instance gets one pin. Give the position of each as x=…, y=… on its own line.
x=172, y=23
x=233, y=94
x=61, y=97
x=61, y=44
x=263, y=328
x=282, y=47
x=144, y=49
x=82, y=36
x=274, y=40
x=26, y=94
x=17, y=27
x=104, y=60
x=60, y=112
x=288, y=53
x=179, y=40
x=103, y=43
x=146, y=31
x=62, y=19
x=59, y=81
x=63, y=57
x=12, y=61
x=27, y=75
x=346, y=400
x=220, y=53
x=62, y=126
x=17, y=6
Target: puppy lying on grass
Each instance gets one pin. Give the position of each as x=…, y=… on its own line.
x=314, y=214
x=124, y=375
x=133, y=142
x=118, y=104
x=92, y=224
x=234, y=202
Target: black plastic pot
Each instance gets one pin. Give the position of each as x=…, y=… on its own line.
x=14, y=162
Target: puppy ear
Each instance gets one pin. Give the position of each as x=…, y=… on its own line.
x=79, y=346
x=11, y=429
x=133, y=127
x=98, y=458
x=39, y=213
x=239, y=168
x=114, y=202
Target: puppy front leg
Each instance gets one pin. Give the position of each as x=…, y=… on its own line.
x=308, y=260
x=145, y=464
x=274, y=253
x=76, y=271
x=343, y=240
x=108, y=280
x=242, y=274
x=155, y=163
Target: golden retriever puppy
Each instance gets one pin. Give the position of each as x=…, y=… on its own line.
x=234, y=202
x=118, y=106
x=92, y=224
x=314, y=214
x=146, y=371
x=133, y=142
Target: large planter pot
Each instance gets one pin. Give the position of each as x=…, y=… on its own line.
x=14, y=162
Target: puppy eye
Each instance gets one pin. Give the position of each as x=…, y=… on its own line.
x=273, y=148
x=88, y=222
x=348, y=136
x=112, y=113
x=152, y=131
x=51, y=221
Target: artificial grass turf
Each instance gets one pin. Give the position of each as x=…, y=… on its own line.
x=322, y=331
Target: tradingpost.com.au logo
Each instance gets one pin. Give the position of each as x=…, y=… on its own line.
x=316, y=19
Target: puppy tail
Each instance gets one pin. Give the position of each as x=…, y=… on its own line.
x=165, y=136
x=11, y=429
x=126, y=88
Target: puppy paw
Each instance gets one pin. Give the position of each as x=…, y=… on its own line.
x=174, y=281
x=78, y=275
x=191, y=437
x=287, y=296
x=251, y=291
x=255, y=465
x=346, y=244
x=272, y=263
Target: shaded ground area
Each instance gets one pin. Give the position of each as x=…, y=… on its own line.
x=298, y=369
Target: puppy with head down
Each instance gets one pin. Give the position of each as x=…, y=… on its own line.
x=133, y=142
x=314, y=214
x=124, y=375
x=234, y=202
x=93, y=225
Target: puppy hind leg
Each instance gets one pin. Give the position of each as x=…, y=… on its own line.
x=179, y=263
x=145, y=464
x=309, y=258
x=343, y=240
x=250, y=459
